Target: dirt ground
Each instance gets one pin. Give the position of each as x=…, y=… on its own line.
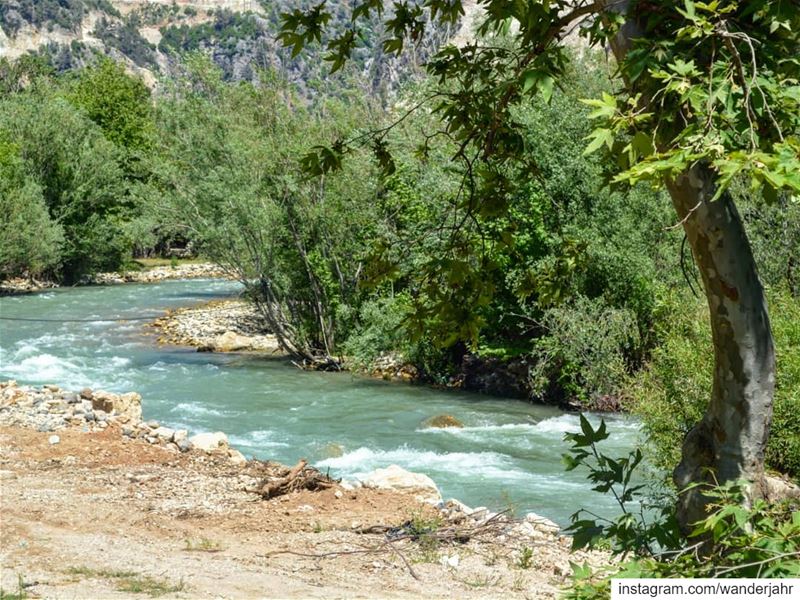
x=98, y=515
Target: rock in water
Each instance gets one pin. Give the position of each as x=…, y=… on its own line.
x=442, y=421
x=209, y=442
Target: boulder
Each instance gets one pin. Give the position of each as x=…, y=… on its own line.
x=209, y=442
x=129, y=404
x=164, y=433
x=397, y=478
x=442, y=421
x=542, y=524
x=231, y=341
x=237, y=457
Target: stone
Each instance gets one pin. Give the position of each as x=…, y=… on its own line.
x=478, y=512
x=152, y=424
x=164, y=433
x=53, y=439
x=180, y=435
x=52, y=388
x=231, y=341
x=6, y=475
x=449, y=561
x=150, y=439
x=208, y=442
x=442, y=421
x=89, y=415
x=542, y=524
x=129, y=404
x=394, y=477
x=128, y=431
x=237, y=457
x=338, y=494
x=184, y=445
x=71, y=397
x=86, y=393
x=457, y=505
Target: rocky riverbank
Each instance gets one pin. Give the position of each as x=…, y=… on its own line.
x=22, y=285
x=90, y=510
x=219, y=326
x=162, y=273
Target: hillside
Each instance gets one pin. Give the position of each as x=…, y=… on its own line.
x=151, y=36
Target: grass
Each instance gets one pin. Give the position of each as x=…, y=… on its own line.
x=149, y=263
x=20, y=594
x=202, y=545
x=480, y=581
x=128, y=581
x=144, y=584
x=525, y=560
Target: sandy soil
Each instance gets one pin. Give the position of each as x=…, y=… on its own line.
x=99, y=515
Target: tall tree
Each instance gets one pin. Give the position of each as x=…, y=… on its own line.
x=708, y=94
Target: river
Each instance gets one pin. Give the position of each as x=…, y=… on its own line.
x=507, y=455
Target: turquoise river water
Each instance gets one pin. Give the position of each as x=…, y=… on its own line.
x=508, y=453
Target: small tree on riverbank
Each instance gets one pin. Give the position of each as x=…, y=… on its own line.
x=708, y=95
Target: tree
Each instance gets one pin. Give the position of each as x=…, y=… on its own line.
x=708, y=96
x=119, y=103
x=297, y=245
x=29, y=239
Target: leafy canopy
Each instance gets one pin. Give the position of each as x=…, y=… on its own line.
x=705, y=82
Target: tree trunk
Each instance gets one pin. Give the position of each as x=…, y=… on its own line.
x=729, y=443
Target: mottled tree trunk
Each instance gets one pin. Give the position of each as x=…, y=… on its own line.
x=729, y=442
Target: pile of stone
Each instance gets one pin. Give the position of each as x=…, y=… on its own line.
x=23, y=285
x=392, y=366
x=49, y=408
x=220, y=326
x=191, y=271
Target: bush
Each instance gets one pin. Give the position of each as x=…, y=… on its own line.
x=582, y=355
x=76, y=168
x=672, y=391
x=29, y=240
x=736, y=538
x=380, y=331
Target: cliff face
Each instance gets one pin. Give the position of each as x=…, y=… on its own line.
x=150, y=36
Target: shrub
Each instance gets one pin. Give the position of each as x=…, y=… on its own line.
x=736, y=539
x=583, y=352
x=29, y=240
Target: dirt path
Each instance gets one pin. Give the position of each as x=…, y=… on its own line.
x=100, y=515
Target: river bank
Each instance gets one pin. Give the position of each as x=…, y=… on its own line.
x=155, y=274
x=99, y=513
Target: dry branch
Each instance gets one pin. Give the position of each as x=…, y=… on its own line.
x=299, y=477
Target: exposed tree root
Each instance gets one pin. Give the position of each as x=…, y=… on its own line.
x=299, y=477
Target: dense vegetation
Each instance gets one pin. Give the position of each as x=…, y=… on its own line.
x=591, y=298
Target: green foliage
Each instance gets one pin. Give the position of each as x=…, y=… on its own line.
x=29, y=240
x=735, y=539
x=380, y=330
x=125, y=37
x=77, y=172
x=119, y=103
x=583, y=350
x=671, y=392
x=299, y=245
